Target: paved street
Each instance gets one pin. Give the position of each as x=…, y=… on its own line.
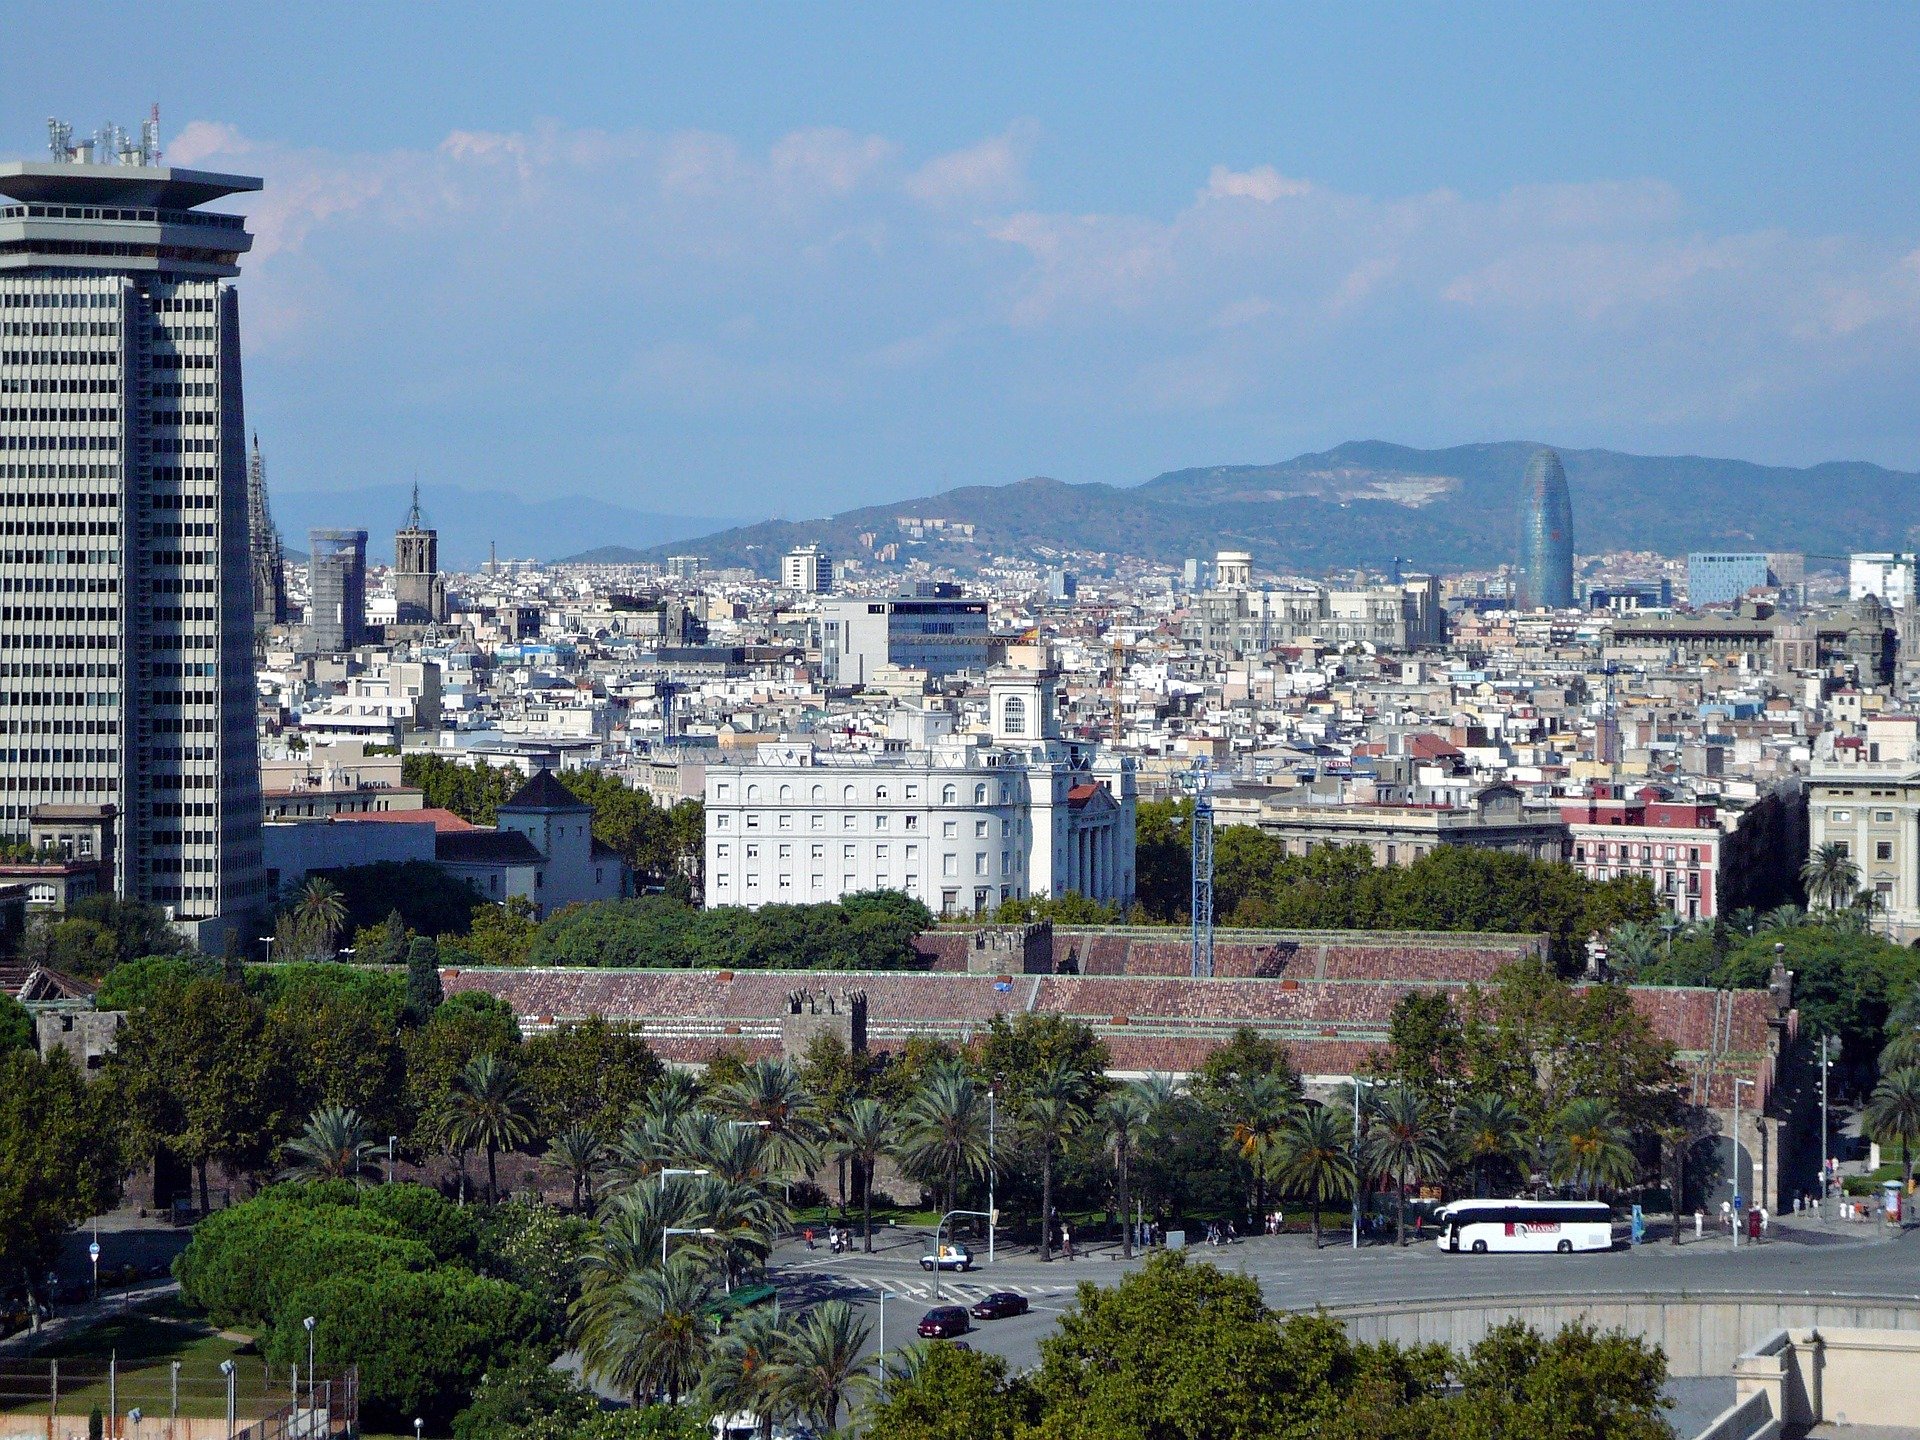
x=1810, y=1258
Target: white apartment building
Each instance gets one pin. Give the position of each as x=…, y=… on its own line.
x=959, y=822
x=1889, y=575
x=1864, y=796
x=808, y=569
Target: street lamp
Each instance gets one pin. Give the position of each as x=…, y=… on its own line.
x=418, y=1426
x=993, y=1210
x=227, y=1369
x=309, y=1322
x=1358, y=1081
x=675, y=1170
x=1739, y=1209
x=391, y=1141
x=1670, y=924
x=267, y=940
x=672, y=1230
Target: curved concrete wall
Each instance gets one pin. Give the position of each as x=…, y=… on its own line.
x=1701, y=1334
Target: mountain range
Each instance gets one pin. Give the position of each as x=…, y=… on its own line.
x=1364, y=503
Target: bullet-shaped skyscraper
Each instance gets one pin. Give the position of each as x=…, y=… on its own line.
x=1544, y=578
x=126, y=600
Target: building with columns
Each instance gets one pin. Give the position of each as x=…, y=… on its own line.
x=961, y=822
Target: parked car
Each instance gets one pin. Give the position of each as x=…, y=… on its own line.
x=943, y=1322
x=999, y=1305
x=948, y=1257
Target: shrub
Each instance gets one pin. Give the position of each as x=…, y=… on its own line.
x=422, y=1339
x=243, y=1263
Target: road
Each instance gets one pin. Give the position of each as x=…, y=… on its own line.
x=1810, y=1258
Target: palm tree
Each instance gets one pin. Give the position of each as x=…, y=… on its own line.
x=944, y=1130
x=743, y=1374
x=1892, y=1115
x=631, y=1226
x=863, y=1134
x=1587, y=1147
x=1487, y=1128
x=1746, y=919
x=1783, y=917
x=1830, y=876
x=1905, y=1013
x=1902, y=1052
x=1633, y=946
x=1314, y=1159
x=1124, y=1118
x=645, y=1333
x=322, y=910
x=743, y=1218
x=1404, y=1141
x=769, y=1096
x=488, y=1107
x=1053, y=1111
x=580, y=1155
x=824, y=1367
x=333, y=1145
x=1257, y=1108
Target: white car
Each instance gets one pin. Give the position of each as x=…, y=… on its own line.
x=949, y=1257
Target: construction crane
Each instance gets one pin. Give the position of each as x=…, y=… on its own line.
x=1200, y=943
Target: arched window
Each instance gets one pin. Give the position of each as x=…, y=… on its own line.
x=846, y=795
x=786, y=792
x=880, y=795
x=753, y=792
x=949, y=795
x=979, y=794
x=1013, y=718
x=819, y=793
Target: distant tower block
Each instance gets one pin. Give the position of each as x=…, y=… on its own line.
x=419, y=589
x=1545, y=562
x=267, y=555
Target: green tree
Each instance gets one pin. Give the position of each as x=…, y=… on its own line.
x=1426, y=1046
x=769, y=1096
x=334, y=1144
x=512, y=1396
x=1405, y=1141
x=1053, y=1111
x=1579, y=1385
x=1587, y=1147
x=589, y=1073
x=473, y=792
x=647, y=1334
x=1892, y=1115
x=823, y=1367
x=944, y=1132
x=580, y=1155
x=488, y=1108
x=16, y=1025
x=424, y=992
x=60, y=1158
x=1315, y=1159
x=322, y=911
x=743, y=1376
x=952, y=1394
x=1830, y=877
x=864, y=1134
x=1125, y=1118
x=1488, y=1130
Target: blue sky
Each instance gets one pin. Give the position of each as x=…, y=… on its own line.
x=780, y=259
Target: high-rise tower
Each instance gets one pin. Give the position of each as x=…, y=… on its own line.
x=126, y=608
x=336, y=590
x=419, y=589
x=1545, y=563
x=265, y=553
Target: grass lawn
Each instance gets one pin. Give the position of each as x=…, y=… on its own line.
x=145, y=1343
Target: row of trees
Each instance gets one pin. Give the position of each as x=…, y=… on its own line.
x=1452, y=887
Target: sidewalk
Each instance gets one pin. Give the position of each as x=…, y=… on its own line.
x=68, y=1319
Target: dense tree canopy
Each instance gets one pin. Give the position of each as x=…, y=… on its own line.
x=872, y=931
x=60, y=1156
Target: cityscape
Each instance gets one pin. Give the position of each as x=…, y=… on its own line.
x=1390, y=941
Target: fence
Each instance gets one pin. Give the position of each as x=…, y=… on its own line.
x=185, y=1399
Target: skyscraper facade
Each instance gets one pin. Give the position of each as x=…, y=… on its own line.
x=336, y=590
x=126, y=605
x=1544, y=566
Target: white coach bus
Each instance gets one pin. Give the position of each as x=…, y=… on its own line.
x=1480, y=1226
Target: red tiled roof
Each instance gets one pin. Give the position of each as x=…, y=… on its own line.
x=444, y=822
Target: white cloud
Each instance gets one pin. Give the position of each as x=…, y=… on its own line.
x=1262, y=183
x=993, y=172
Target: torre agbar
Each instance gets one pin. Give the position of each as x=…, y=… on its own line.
x=126, y=606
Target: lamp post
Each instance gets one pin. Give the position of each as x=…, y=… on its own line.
x=418, y=1426
x=309, y=1323
x=1670, y=924
x=1358, y=1081
x=1740, y=1215
x=267, y=940
x=672, y=1230
x=227, y=1369
x=1824, y=1066
x=675, y=1170
x=993, y=1210
x=93, y=1254
x=391, y=1141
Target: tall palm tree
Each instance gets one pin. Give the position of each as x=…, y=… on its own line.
x=1404, y=1140
x=744, y=1218
x=1256, y=1109
x=824, y=1367
x=1486, y=1129
x=944, y=1130
x=1892, y=1114
x=1314, y=1159
x=580, y=1155
x=1902, y=1052
x=1746, y=920
x=488, y=1107
x=334, y=1144
x=322, y=910
x=1055, y=1108
x=645, y=1333
x=627, y=1238
x=1633, y=946
x=743, y=1373
x=739, y=1153
x=769, y=1096
x=863, y=1134
x=1587, y=1147
x=1783, y=917
x=1905, y=1012
x=1830, y=876
x=1124, y=1118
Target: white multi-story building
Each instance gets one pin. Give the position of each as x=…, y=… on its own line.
x=1890, y=576
x=960, y=822
x=808, y=569
x=126, y=604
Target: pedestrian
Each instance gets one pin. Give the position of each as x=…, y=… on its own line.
x=807, y=1235
x=1066, y=1240
x=1764, y=1218
x=1699, y=1224
x=1726, y=1215
x=1279, y=1222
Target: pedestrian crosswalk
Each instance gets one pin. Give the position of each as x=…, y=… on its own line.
x=955, y=1290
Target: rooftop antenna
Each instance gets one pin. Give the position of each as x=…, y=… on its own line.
x=60, y=140
x=413, y=515
x=150, y=136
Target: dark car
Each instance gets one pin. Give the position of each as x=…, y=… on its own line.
x=999, y=1305
x=943, y=1322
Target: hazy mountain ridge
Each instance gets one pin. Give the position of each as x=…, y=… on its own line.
x=1366, y=502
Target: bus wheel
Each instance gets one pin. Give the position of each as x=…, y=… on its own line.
x=1566, y=1247
x=1479, y=1247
